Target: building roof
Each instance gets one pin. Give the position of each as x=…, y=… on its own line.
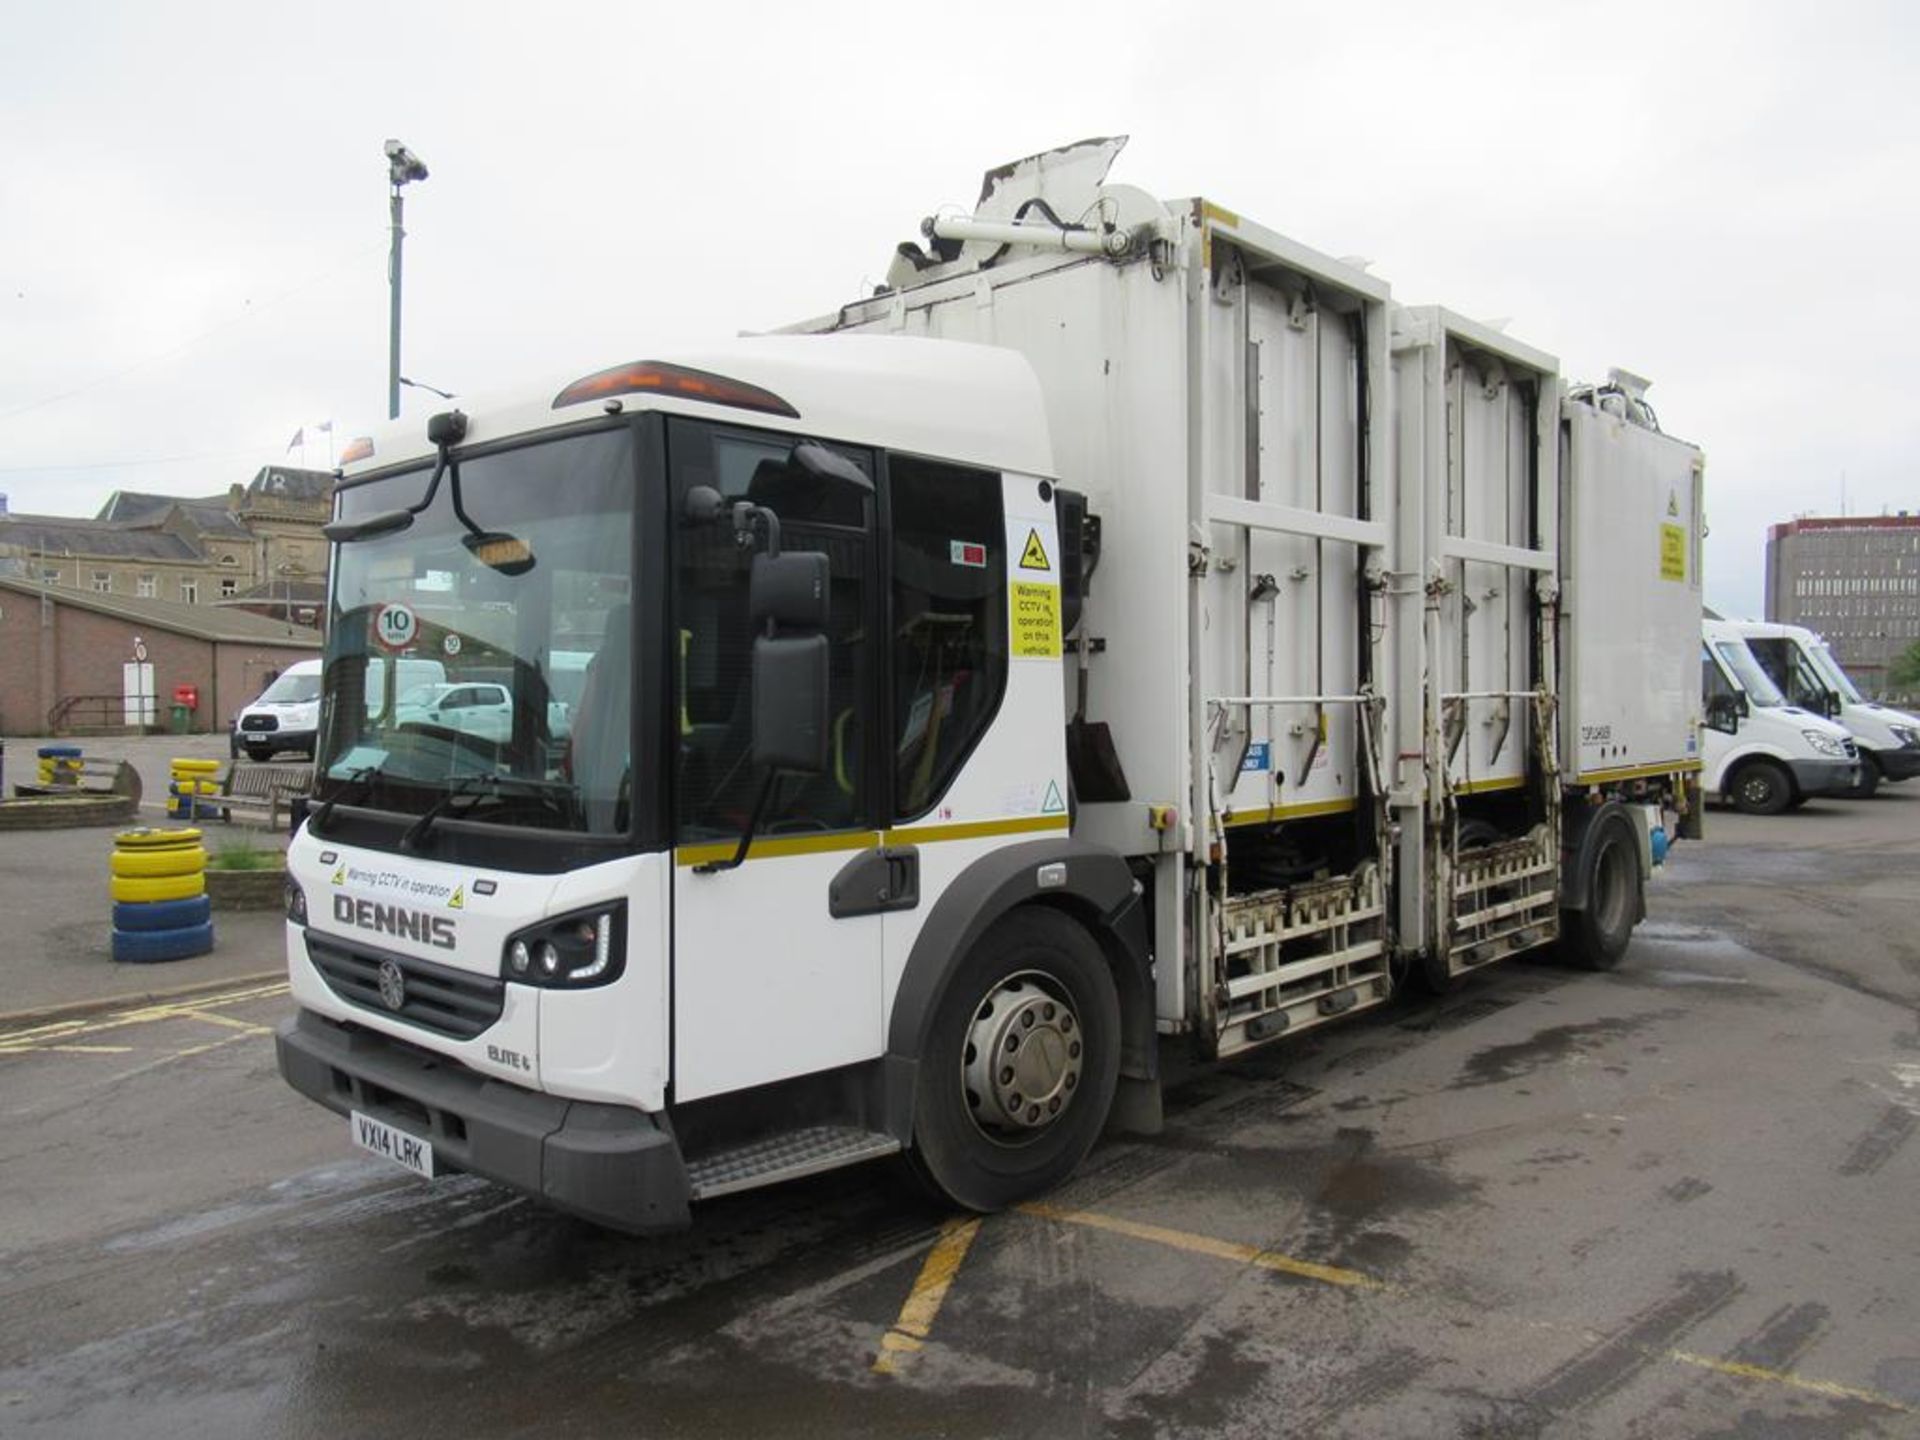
x=297, y=592
x=283, y=482
x=142, y=509
x=202, y=622
x=1902, y=521
x=66, y=537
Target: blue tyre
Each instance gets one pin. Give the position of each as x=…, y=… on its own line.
x=163, y=914
x=148, y=947
x=63, y=752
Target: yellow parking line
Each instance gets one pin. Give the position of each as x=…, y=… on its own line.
x=228, y=1020
x=210, y=1045
x=68, y=1049
x=1208, y=1245
x=44, y=1037
x=929, y=1291
x=1238, y=1253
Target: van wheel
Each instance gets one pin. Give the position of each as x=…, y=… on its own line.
x=1761, y=788
x=1869, y=781
x=1596, y=937
x=1021, y=1064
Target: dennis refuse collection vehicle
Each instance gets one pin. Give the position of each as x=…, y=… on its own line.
x=1129, y=624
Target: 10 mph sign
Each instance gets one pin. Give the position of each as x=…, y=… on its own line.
x=395, y=627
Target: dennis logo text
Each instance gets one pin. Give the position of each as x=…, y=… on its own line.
x=422, y=929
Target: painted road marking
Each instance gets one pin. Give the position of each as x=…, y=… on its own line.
x=57, y=1036
x=1254, y=1256
x=909, y=1332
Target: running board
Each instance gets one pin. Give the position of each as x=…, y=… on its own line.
x=786, y=1156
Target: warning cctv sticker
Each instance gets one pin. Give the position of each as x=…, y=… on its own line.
x=1033, y=556
x=1033, y=620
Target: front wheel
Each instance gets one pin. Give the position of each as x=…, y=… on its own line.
x=1597, y=936
x=1761, y=788
x=1021, y=1064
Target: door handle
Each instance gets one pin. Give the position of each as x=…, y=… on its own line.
x=875, y=882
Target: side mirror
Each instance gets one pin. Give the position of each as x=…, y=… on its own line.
x=790, y=704
x=790, y=589
x=817, y=462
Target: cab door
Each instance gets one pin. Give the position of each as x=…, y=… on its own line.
x=768, y=982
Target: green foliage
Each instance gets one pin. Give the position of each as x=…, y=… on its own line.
x=239, y=853
x=1903, y=676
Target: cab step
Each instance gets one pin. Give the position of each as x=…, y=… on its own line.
x=786, y=1156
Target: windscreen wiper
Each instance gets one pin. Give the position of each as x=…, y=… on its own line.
x=478, y=787
x=362, y=778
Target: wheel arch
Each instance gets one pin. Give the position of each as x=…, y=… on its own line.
x=1097, y=891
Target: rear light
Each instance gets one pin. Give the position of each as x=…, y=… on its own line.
x=661, y=378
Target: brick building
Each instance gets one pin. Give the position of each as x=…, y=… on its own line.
x=63, y=653
x=1853, y=578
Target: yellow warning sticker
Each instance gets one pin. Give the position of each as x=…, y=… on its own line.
x=1673, y=553
x=1034, y=556
x=1033, y=620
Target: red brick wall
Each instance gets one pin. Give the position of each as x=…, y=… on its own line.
x=87, y=653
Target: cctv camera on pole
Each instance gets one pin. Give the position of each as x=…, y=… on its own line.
x=403, y=167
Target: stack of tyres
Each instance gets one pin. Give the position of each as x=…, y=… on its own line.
x=61, y=764
x=160, y=905
x=193, y=782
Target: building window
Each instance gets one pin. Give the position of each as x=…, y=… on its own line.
x=103, y=582
x=147, y=586
x=229, y=587
x=51, y=575
x=190, y=592
x=228, y=560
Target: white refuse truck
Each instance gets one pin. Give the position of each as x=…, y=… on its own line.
x=1141, y=628
x=1800, y=663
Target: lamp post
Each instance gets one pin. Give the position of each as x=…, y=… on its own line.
x=403, y=167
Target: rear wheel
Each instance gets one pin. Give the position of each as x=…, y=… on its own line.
x=1021, y=1064
x=260, y=755
x=1761, y=788
x=1597, y=936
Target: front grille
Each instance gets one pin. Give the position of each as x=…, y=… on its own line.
x=438, y=998
x=260, y=722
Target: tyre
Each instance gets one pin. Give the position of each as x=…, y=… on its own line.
x=163, y=914
x=1020, y=1066
x=195, y=767
x=167, y=860
x=1869, y=782
x=1761, y=787
x=148, y=947
x=259, y=754
x=140, y=890
x=1596, y=937
x=155, y=839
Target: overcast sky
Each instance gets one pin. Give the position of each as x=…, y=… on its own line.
x=193, y=256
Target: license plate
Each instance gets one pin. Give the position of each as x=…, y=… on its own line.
x=409, y=1152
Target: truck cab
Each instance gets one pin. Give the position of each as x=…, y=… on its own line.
x=1763, y=755
x=1802, y=665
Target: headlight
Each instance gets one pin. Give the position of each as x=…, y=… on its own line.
x=296, y=902
x=588, y=947
x=1906, y=735
x=1826, y=744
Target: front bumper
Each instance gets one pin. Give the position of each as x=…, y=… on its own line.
x=1825, y=777
x=276, y=740
x=1901, y=764
x=610, y=1164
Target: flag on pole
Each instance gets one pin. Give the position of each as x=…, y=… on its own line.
x=299, y=439
x=325, y=427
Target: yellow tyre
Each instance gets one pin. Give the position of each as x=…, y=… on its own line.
x=139, y=889
x=153, y=839
x=170, y=860
x=196, y=767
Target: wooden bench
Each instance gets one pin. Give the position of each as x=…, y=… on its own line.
x=261, y=788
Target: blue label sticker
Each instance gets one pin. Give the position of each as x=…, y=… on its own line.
x=1258, y=757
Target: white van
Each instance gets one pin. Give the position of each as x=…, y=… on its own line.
x=1799, y=662
x=1758, y=752
x=286, y=715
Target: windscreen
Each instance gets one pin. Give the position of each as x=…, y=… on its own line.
x=1831, y=672
x=1760, y=690
x=292, y=688
x=484, y=664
